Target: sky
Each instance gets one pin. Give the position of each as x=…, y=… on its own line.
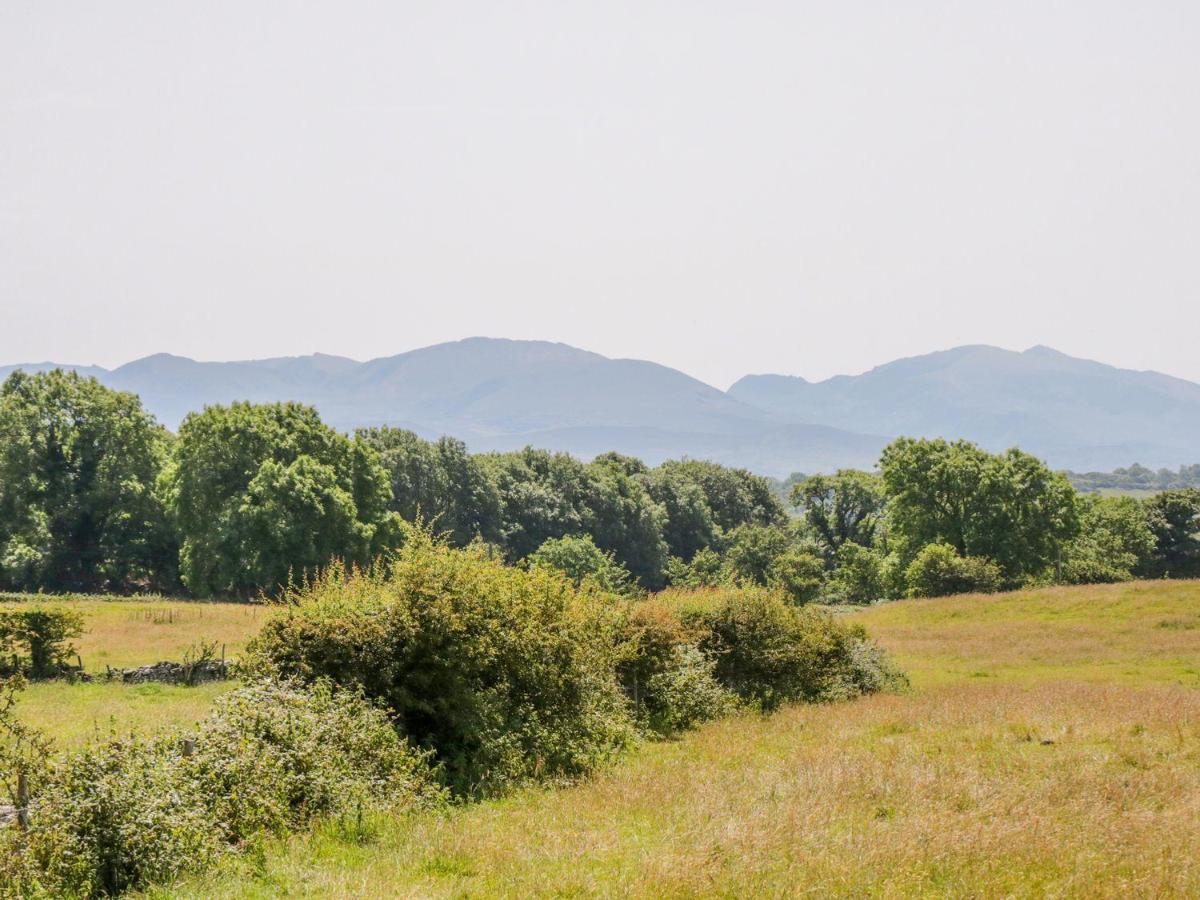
x=808, y=188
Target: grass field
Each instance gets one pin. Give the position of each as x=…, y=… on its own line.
x=122, y=633
x=1050, y=746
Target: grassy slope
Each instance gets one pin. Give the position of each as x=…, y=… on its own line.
x=130, y=632
x=1051, y=745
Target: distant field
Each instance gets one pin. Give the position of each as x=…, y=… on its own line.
x=122, y=633
x=1050, y=747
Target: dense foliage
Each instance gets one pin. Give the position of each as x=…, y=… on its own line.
x=125, y=811
x=509, y=674
x=260, y=494
x=78, y=464
x=248, y=499
x=505, y=673
x=1137, y=478
x=34, y=639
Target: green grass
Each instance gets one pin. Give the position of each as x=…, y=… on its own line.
x=122, y=633
x=1140, y=633
x=1050, y=747
x=72, y=714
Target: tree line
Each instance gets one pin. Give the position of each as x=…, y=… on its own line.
x=1137, y=478
x=95, y=495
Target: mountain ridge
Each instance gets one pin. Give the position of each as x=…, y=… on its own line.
x=498, y=393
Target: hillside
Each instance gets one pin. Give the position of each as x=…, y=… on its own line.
x=1075, y=413
x=1049, y=747
x=501, y=394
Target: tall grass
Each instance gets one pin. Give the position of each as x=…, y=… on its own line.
x=1050, y=747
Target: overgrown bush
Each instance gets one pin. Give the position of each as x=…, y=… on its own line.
x=859, y=576
x=767, y=651
x=671, y=684
x=37, y=636
x=578, y=557
x=506, y=674
x=271, y=756
x=938, y=571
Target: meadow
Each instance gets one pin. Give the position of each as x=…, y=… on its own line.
x=127, y=632
x=1049, y=746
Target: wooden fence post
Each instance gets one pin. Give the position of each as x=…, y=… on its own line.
x=189, y=746
x=22, y=800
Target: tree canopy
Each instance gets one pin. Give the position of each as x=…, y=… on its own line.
x=1007, y=507
x=262, y=494
x=78, y=509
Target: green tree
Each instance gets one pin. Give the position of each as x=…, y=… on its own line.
x=705, y=569
x=547, y=495
x=580, y=559
x=78, y=465
x=839, y=508
x=735, y=496
x=752, y=550
x=1114, y=540
x=689, y=526
x=625, y=521
x=542, y=495
x=939, y=571
x=798, y=574
x=437, y=482
x=859, y=576
x=1174, y=518
x=1008, y=507
x=263, y=493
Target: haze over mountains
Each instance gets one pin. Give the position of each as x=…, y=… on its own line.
x=501, y=394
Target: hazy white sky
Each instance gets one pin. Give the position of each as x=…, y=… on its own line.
x=733, y=187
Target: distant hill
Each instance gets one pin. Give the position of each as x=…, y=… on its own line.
x=1076, y=413
x=502, y=394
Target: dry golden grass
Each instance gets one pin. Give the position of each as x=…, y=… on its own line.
x=1145, y=632
x=1050, y=747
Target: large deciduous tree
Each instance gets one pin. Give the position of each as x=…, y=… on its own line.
x=78, y=510
x=1174, y=519
x=1008, y=507
x=439, y=483
x=840, y=508
x=264, y=493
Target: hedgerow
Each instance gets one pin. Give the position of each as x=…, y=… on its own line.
x=506, y=674
x=272, y=756
x=512, y=674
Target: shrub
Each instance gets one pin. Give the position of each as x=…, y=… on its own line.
x=44, y=632
x=938, y=571
x=685, y=692
x=767, y=651
x=506, y=674
x=799, y=575
x=271, y=756
x=579, y=558
x=859, y=576
x=671, y=684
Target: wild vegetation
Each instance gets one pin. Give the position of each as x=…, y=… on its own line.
x=449, y=625
x=1049, y=746
x=1137, y=478
x=248, y=499
x=372, y=689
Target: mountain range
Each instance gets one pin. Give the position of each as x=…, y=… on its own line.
x=502, y=394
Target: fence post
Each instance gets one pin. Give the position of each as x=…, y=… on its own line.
x=23, y=801
x=189, y=746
